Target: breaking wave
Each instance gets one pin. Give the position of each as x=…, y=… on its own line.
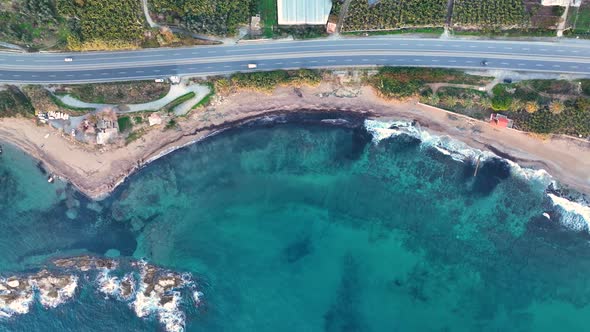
x=574, y=215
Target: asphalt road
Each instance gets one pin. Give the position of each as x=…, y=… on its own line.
x=556, y=57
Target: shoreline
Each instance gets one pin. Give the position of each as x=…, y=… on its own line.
x=97, y=172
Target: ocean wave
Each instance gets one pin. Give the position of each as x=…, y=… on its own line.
x=457, y=150
x=574, y=215
x=16, y=297
x=17, y=294
x=54, y=290
x=158, y=293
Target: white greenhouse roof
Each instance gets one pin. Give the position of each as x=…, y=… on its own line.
x=295, y=12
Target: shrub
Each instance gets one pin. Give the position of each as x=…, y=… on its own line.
x=556, y=107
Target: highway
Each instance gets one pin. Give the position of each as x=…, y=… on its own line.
x=555, y=57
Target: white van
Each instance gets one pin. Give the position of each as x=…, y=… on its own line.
x=68, y=59
x=252, y=66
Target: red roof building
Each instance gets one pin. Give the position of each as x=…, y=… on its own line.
x=500, y=120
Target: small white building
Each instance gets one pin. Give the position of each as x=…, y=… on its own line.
x=154, y=119
x=303, y=12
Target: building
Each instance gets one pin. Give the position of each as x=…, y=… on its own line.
x=563, y=3
x=500, y=120
x=303, y=12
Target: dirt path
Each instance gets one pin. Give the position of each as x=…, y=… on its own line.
x=148, y=18
x=436, y=86
x=342, y=15
x=450, y=5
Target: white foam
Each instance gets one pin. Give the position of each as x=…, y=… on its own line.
x=575, y=216
x=197, y=297
x=448, y=146
x=457, y=150
x=47, y=285
x=22, y=299
x=168, y=314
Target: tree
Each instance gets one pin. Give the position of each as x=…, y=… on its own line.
x=556, y=107
x=531, y=106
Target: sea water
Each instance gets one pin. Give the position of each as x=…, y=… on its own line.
x=304, y=225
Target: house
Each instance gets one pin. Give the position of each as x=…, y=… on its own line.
x=303, y=12
x=500, y=120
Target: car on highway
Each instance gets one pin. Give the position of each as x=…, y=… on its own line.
x=68, y=59
x=159, y=80
x=252, y=66
x=484, y=63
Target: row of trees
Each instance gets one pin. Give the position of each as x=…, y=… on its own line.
x=217, y=17
x=107, y=21
x=391, y=14
x=492, y=13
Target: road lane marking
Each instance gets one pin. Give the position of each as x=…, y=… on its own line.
x=280, y=63
x=434, y=60
x=539, y=65
x=102, y=74
x=505, y=63
x=123, y=72
x=328, y=61
x=417, y=60
x=365, y=60
x=51, y=75
x=156, y=70
x=87, y=74
x=453, y=61
x=573, y=66
x=556, y=66
x=348, y=60
x=225, y=66
x=141, y=71
x=521, y=64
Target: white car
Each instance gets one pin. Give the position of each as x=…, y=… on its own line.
x=252, y=65
x=159, y=80
x=68, y=59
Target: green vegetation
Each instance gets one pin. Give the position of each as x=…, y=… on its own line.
x=103, y=24
x=207, y=99
x=581, y=20
x=14, y=102
x=118, y=93
x=179, y=100
x=489, y=13
x=473, y=103
x=171, y=125
x=268, y=80
x=124, y=124
x=32, y=22
x=268, y=15
x=434, y=31
x=404, y=82
x=217, y=17
x=393, y=14
x=502, y=100
x=497, y=32
x=421, y=12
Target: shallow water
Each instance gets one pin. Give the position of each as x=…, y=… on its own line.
x=310, y=227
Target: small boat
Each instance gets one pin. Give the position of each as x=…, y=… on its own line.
x=546, y=215
x=0, y=149
x=50, y=179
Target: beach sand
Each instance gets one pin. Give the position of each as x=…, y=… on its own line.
x=96, y=172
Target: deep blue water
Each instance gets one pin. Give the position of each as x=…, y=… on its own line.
x=309, y=227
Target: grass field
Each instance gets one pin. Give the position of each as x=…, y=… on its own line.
x=583, y=20
x=269, y=16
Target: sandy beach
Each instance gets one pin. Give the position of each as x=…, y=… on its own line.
x=98, y=171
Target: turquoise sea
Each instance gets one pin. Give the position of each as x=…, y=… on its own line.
x=303, y=224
